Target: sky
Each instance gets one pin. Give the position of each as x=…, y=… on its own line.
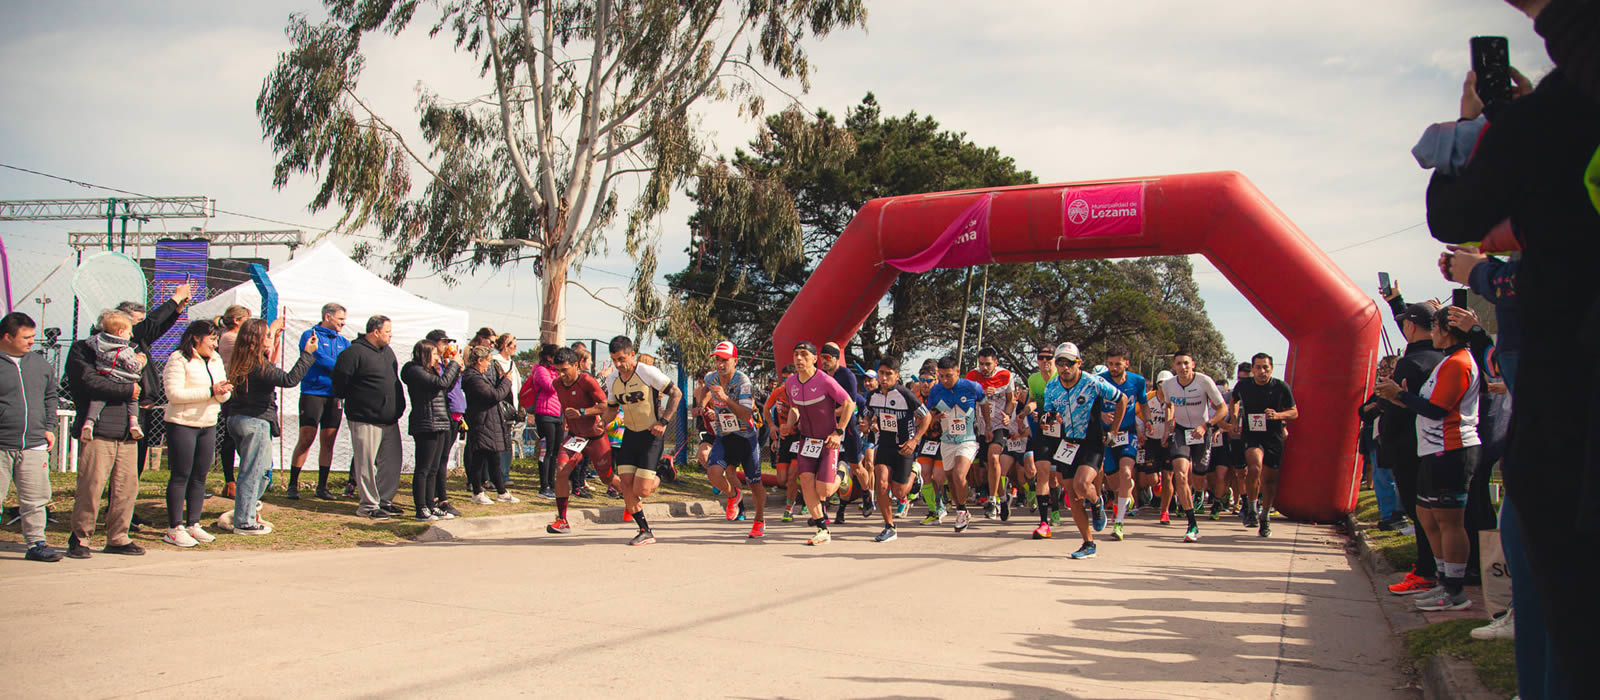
x=1318, y=104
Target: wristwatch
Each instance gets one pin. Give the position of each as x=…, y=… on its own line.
x=839, y=432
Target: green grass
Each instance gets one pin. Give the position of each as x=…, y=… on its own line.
x=310, y=523
x=1397, y=549
x=1495, y=661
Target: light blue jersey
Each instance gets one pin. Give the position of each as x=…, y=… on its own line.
x=1078, y=403
x=1133, y=387
x=959, y=404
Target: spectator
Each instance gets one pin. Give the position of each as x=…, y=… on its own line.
x=196, y=386
x=1397, y=426
x=146, y=331
x=111, y=454
x=117, y=360
x=28, y=406
x=486, y=427
x=538, y=395
x=367, y=377
x=505, y=346
x=253, y=413
x=1391, y=516
x=319, y=408
x=456, y=403
x=430, y=421
x=232, y=318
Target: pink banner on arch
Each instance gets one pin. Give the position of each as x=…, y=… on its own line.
x=1103, y=210
x=965, y=242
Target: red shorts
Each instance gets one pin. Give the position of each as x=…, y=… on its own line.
x=597, y=449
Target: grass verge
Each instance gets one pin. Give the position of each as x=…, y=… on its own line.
x=309, y=523
x=1495, y=661
x=1398, y=549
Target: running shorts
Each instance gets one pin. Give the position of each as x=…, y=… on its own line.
x=640, y=452
x=1090, y=453
x=1443, y=478
x=737, y=451
x=1271, y=449
x=824, y=467
x=597, y=449
x=1198, y=455
x=899, y=465
x=1156, y=453
x=320, y=412
x=950, y=451
x=850, y=448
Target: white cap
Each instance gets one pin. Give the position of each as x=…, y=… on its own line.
x=872, y=373
x=1163, y=375
x=1101, y=369
x=1068, y=351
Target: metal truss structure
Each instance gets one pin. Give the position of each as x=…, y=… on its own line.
x=108, y=208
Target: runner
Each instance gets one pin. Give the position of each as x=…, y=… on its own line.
x=1227, y=455
x=994, y=426
x=1264, y=404
x=868, y=430
x=785, y=442
x=929, y=458
x=1239, y=478
x=901, y=421
x=850, y=450
x=1121, y=458
x=1157, y=420
x=583, y=405
x=1037, y=383
x=635, y=389
x=727, y=400
x=1017, y=461
x=1195, y=410
x=955, y=403
x=820, y=411
x=1071, y=418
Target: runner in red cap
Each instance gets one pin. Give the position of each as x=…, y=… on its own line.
x=727, y=401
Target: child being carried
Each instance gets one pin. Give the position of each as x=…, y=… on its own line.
x=115, y=359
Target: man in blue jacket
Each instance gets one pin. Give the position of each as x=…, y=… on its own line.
x=320, y=410
x=27, y=416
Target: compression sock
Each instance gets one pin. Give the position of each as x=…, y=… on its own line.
x=1454, y=574
x=294, y=477
x=1438, y=568
x=1189, y=513
x=561, y=507
x=930, y=497
x=1044, y=507
x=638, y=517
x=322, y=476
x=1123, y=504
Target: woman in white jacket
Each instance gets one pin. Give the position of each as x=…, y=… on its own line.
x=196, y=387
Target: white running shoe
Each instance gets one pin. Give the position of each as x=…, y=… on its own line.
x=482, y=499
x=507, y=498
x=1503, y=627
x=962, y=519
x=199, y=534
x=178, y=537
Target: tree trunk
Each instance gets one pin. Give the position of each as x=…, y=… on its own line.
x=553, y=311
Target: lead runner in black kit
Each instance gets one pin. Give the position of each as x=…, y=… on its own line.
x=902, y=421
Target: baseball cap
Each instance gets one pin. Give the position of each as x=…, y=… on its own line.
x=1101, y=369
x=726, y=350
x=872, y=373
x=1420, y=314
x=1067, y=351
x=437, y=335
x=1163, y=375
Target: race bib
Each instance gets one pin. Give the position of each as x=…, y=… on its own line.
x=1190, y=439
x=930, y=449
x=1052, y=430
x=1066, y=452
x=1216, y=439
x=958, y=426
x=1120, y=440
x=888, y=423
x=811, y=448
x=727, y=423
x=1016, y=444
x=794, y=448
x=575, y=443
x=1258, y=422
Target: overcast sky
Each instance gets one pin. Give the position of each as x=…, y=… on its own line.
x=1317, y=103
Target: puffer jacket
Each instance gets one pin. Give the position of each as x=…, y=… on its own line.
x=486, y=429
x=430, y=407
x=188, y=385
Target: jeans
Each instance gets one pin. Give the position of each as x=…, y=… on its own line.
x=1537, y=672
x=189, y=454
x=1388, y=497
x=254, y=438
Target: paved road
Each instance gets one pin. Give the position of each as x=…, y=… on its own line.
x=706, y=613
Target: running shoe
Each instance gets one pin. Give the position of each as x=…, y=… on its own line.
x=991, y=511
x=1192, y=534
x=1265, y=529
x=179, y=537
x=200, y=534
x=1413, y=584
x=1503, y=627
x=1099, y=519
x=788, y=516
x=482, y=499
x=935, y=517
x=821, y=537
x=627, y=515
x=1055, y=518
x=962, y=520
x=1116, y=531
x=643, y=538
x=866, y=507
x=1248, y=517
x=839, y=515
x=1165, y=518
x=804, y=513
x=1005, y=510
x=888, y=535
x=1216, y=509
x=731, y=507
x=758, y=529
x=901, y=508
x=1042, y=532
x=1084, y=552
x=559, y=527
x=1443, y=601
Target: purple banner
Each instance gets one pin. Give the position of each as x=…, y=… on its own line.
x=1103, y=210
x=175, y=262
x=964, y=243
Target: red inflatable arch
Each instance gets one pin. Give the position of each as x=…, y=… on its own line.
x=1332, y=327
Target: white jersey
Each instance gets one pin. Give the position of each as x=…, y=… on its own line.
x=1156, y=409
x=1194, y=404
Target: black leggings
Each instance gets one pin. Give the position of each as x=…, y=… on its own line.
x=189, y=454
x=447, y=444
x=426, y=479
x=481, y=462
x=228, y=450
x=1405, y=482
x=549, y=429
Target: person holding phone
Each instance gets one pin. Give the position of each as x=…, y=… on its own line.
x=253, y=413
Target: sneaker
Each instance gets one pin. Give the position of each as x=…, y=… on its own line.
x=612, y=492
x=1084, y=552
x=627, y=515
x=1216, y=509
x=1503, y=627
x=788, y=516
x=1165, y=518
x=559, y=527
x=43, y=552
x=426, y=516
x=991, y=511
x=75, y=548
x=482, y=499
x=867, y=507
x=731, y=507
x=757, y=530
x=130, y=549
x=901, y=508
x=448, y=509
x=935, y=517
x=199, y=534
x=1443, y=601
x=259, y=529
x=507, y=498
x=962, y=520
x=1116, y=531
x=804, y=512
x=549, y=495
x=1099, y=519
x=370, y=515
x=293, y=493
x=178, y=537
x=643, y=538
x=1247, y=517
x=390, y=508
x=1005, y=510
x=324, y=494
x=442, y=514
x=349, y=489
x=1042, y=532
x=821, y=537
x=888, y=535
x=1413, y=584
x=1265, y=529
x=1055, y=518
x=839, y=516
x=1192, y=534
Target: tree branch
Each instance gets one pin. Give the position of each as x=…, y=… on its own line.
x=381, y=124
x=517, y=161
x=626, y=312
x=671, y=74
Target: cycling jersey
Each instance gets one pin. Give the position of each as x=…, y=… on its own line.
x=818, y=400
x=894, y=414
x=996, y=392
x=958, y=403
x=1036, y=386
x=1452, y=386
x=638, y=396
x=741, y=391
x=1078, y=403
x=1155, y=412
x=1131, y=386
x=1194, y=404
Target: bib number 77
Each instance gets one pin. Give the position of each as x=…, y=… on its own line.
x=1066, y=452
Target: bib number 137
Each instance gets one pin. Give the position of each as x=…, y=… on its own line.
x=811, y=448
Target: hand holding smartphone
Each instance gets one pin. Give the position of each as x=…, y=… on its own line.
x=1458, y=297
x=1491, y=63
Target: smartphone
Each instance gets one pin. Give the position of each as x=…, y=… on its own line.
x=1383, y=284
x=1491, y=61
x=1458, y=297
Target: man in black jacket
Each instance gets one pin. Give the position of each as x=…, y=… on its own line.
x=112, y=454
x=146, y=331
x=367, y=377
x=1398, y=426
x=27, y=421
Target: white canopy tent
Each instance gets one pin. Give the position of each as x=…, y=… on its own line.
x=325, y=274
